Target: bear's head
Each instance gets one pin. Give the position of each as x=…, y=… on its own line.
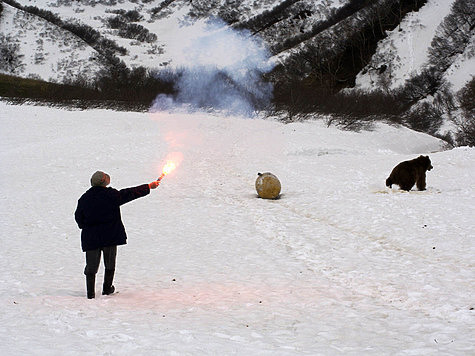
x=425, y=162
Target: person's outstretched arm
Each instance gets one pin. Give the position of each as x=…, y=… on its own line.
x=128, y=194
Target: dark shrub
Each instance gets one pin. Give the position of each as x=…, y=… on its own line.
x=10, y=59
x=116, y=22
x=133, y=16
x=422, y=85
x=466, y=98
x=466, y=124
x=137, y=32
x=425, y=118
x=45, y=14
x=118, y=82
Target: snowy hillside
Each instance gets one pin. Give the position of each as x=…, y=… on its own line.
x=339, y=265
x=44, y=50
x=154, y=35
x=405, y=51
x=172, y=21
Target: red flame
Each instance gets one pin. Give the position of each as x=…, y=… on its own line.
x=172, y=161
x=168, y=167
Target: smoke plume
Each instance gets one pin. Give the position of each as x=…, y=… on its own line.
x=216, y=68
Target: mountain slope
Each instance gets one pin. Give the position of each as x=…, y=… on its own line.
x=323, y=46
x=405, y=51
x=44, y=51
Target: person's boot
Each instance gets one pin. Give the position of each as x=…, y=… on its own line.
x=91, y=286
x=107, y=287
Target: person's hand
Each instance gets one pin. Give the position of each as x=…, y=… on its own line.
x=154, y=184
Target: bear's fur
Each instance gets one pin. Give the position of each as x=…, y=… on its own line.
x=408, y=173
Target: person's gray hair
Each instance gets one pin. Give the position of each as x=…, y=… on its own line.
x=100, y=179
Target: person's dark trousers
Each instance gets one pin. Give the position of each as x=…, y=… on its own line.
x=93, y=259
x=107, y=287
x=90, y=285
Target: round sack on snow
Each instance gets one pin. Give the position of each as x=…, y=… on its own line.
x=267, y=186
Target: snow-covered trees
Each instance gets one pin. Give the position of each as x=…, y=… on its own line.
x=453, y=35
x=466, y=123
x=121, y=22
x=10, y=59
x=452, y=39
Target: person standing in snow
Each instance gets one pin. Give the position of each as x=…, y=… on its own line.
x=98, y=216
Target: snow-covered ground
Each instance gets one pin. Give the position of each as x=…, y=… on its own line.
x=339, y=265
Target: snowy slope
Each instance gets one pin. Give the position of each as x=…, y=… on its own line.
x=46, y=51
x=339, y=265
x=405, y=51
x=462, y=70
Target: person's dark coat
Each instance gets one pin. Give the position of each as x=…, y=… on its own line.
x=98, y=215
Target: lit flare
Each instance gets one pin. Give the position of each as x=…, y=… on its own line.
x=167, y=168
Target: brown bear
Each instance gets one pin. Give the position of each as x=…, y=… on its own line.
x=406, y=173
